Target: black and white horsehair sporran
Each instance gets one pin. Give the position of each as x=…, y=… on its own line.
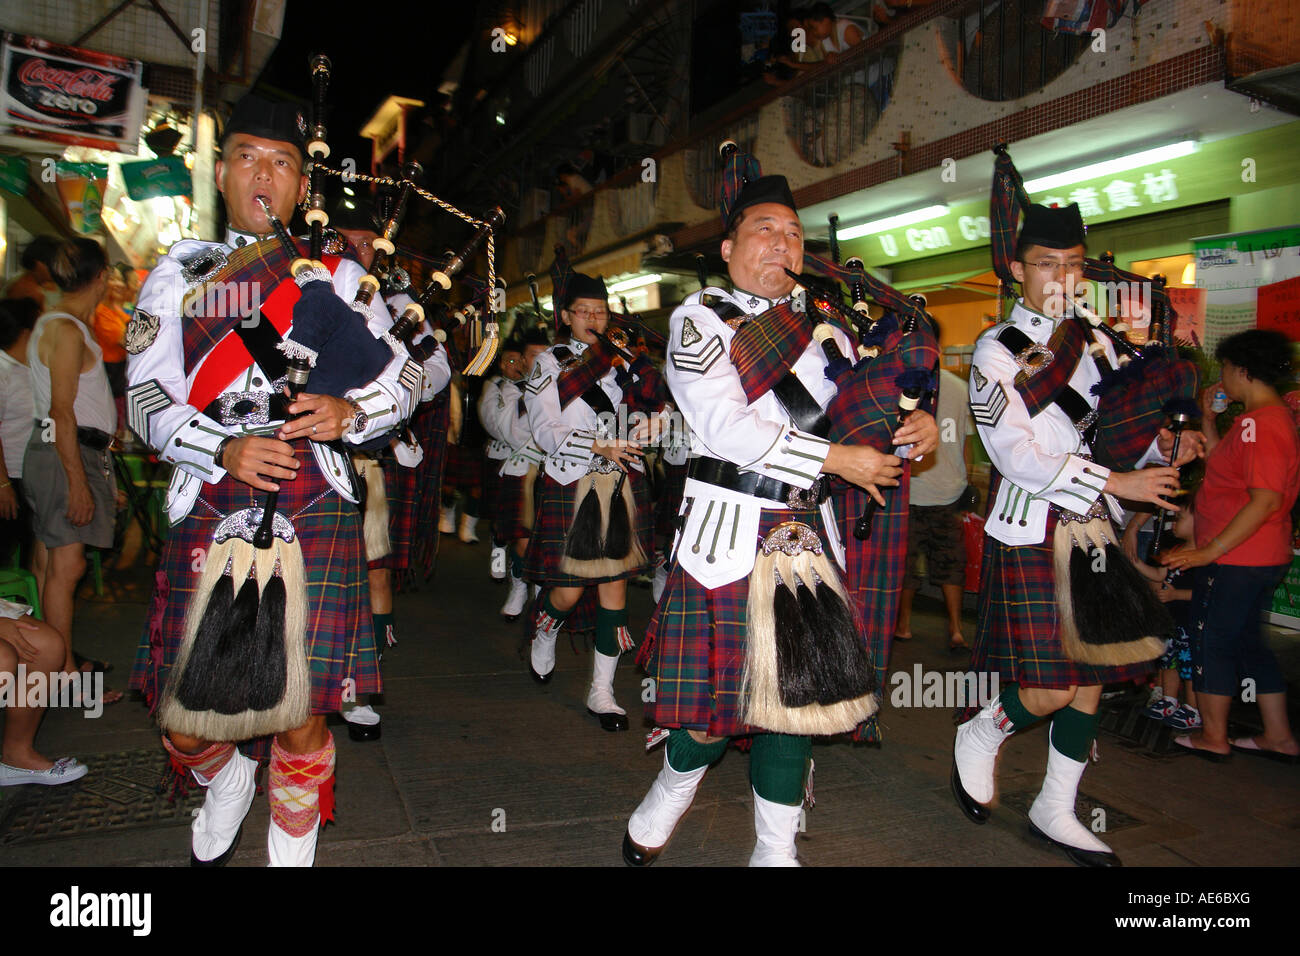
x=375, y=511
x=602, y=541
x=806, y=667
x=1107, y=613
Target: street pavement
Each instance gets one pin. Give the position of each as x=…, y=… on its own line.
x=479, y=766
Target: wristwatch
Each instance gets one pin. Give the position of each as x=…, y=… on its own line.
x=357, y=423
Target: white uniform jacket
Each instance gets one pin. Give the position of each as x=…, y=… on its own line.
x=567, y=434
x=158, y=388
x=1038, y=458
x=491, y=408
x=503, y=419
x=758, y=436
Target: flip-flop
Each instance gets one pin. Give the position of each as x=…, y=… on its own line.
x=900, y=637
x=1185, y=743
x=96, y=667
x=1247, y=745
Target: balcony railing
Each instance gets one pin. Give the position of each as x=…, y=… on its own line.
x=833, y=115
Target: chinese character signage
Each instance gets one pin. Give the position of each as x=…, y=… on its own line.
x=68, y=95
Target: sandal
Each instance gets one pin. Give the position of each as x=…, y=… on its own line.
x=96, y=667
x=1247, y=745
x=1185, y=743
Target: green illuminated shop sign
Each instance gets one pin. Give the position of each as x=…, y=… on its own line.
x=1213, y=172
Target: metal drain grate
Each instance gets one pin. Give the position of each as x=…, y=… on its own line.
x=121, y=792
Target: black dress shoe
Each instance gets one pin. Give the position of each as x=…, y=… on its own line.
x=611, y=721
x=540, y=678
x=1077, y=855
x=224, y=858
x=363, y=732
x=975, y=812
x=636, y=855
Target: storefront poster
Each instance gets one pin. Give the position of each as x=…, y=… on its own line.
x=1224, y=320
x=81, y=187
x=1190, y=306
x=13, y=174
x=68, y=95
x=166, y=176
x=1278, y=307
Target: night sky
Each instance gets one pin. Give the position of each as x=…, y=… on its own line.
x=392, y=52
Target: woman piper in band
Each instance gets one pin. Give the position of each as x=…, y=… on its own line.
x=592, y=522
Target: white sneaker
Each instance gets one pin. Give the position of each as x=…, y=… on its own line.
x=653, y=822
x=230, y=794
x=516, y=600
x=1052, y=813
x=497, y=563
x=447, y=520
x=467, y=525
x=775, y=825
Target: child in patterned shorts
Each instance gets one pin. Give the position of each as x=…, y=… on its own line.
x=1175, y=665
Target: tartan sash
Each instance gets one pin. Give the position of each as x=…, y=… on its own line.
x=1046, y=386
x=765, y=347
x=211, y=314
x=581, y=378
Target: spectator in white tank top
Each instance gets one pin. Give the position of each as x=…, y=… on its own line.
x=67, y=471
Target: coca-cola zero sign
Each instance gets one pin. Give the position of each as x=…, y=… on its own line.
x=70, y=95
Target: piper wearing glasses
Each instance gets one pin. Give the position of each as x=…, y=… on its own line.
x=593, y=518
x=1045, y=484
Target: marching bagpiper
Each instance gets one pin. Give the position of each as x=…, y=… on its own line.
x=505, y=417
x=754, y=583
x=388, y=472
x=244, y=641
x=1061, y=611
x=592, y=523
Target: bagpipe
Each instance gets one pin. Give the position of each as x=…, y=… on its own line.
x=1107, y=615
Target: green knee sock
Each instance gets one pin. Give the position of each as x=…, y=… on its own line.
x=1011, y=706
x=549, y=609
x=1073, y=732
x=607, y=624
x=778, y=767
x=685, y=753
x=382, y=623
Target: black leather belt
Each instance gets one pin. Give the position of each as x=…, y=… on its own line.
x=724, y=474
x=93, y=438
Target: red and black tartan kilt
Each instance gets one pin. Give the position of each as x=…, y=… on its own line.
x=399, y=484
x=696, y=643
x=557, y=506
x=669, y=503
x=490, y=506
x=340, y=638
x=1016, y=635
x=510, y=514
x=464, y=470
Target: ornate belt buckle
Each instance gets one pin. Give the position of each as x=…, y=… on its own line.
x=1033, y=359
x=245, y=408
x=799, y=499
x=601, y=465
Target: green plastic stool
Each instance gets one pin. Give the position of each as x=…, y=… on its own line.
x=17, y=583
